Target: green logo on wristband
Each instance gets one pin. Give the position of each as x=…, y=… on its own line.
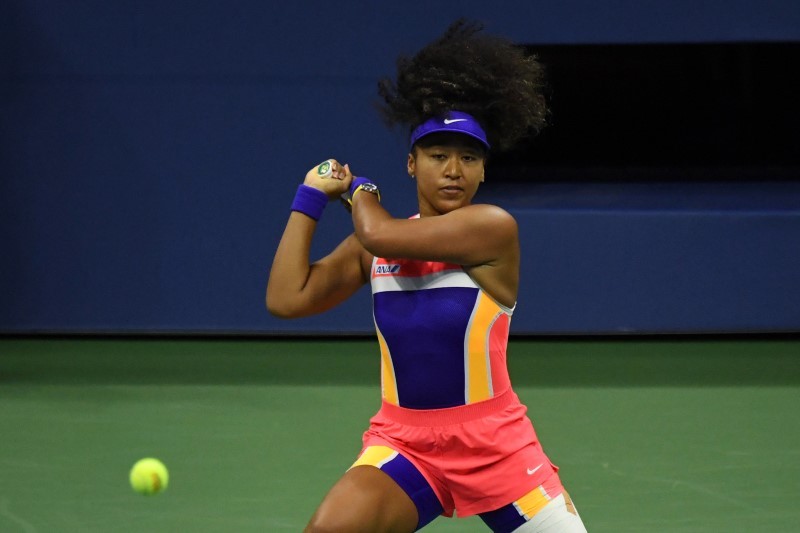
x=324, y=168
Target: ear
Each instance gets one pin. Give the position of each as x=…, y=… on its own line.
x=411, y=165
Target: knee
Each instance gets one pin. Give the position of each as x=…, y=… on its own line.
x=321, y=526
x=331, y=523
x=347, y=522
x=316, y=526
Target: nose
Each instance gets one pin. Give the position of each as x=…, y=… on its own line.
x=453, y=168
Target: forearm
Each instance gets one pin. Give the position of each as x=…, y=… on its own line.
x=291, y=266
x=368, y=216
x=296, y=287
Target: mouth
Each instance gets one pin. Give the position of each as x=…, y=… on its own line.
x=451, y=190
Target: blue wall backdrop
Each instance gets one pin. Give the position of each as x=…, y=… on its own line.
x=149, y=152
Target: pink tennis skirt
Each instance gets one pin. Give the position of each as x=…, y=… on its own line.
x=476, y=458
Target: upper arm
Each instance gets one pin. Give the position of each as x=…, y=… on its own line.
x=472, y=235
x=331, y=280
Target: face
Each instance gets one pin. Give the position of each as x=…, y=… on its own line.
x=448, y=168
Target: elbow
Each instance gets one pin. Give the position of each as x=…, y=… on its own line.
x=277, y=312
x=277, y=307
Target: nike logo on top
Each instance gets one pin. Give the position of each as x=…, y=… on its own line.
x=451, y=120
x=532, y=471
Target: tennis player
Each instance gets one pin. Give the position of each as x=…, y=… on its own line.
x=451, y=436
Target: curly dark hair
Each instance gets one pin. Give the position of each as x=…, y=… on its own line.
x=466, y=70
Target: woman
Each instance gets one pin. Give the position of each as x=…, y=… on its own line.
x=451, y=434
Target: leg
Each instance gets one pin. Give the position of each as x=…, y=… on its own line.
x=365, y=500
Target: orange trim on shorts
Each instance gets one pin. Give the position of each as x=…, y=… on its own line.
x=534, y=501
x=375, y=456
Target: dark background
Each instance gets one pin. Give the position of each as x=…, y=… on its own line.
x=149, y=153
x=728, y=108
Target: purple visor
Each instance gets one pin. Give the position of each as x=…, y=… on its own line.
x=453, y=122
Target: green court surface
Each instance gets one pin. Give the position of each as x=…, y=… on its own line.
x=653, y=435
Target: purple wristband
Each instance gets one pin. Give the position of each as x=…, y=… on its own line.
x=310, y=201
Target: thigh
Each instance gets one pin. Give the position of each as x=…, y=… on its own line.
x=365, y=499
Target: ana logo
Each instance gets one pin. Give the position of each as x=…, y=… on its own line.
x=386, y=269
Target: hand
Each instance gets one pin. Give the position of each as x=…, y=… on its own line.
x=330, y=177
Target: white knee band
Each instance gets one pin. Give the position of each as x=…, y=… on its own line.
x=558, y=516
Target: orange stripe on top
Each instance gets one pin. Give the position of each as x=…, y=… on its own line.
x=478, y=362
x=388, y=382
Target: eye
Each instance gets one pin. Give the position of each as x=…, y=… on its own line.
x=439, y=156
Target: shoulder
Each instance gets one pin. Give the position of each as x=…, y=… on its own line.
x=489, y=217
x=495, y=211
x=486, y=210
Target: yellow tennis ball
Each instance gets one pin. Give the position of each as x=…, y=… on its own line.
x=149, y=476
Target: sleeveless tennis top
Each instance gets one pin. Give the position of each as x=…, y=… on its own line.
x=442, y=338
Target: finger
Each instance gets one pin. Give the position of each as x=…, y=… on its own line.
x=348, y=177
x=341, y=172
